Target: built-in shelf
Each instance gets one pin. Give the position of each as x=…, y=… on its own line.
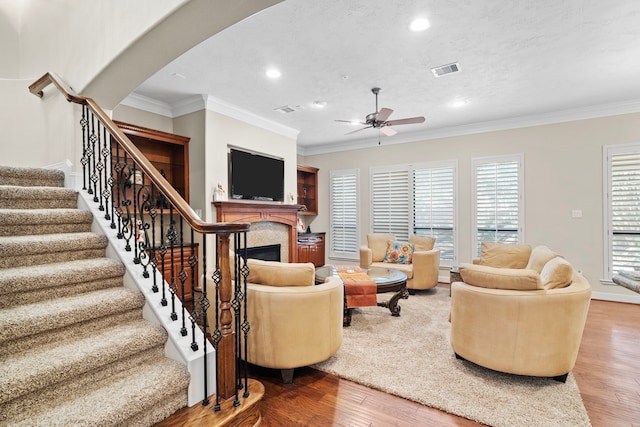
x=308, y=189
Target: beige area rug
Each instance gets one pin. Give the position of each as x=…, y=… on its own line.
x=411, y=356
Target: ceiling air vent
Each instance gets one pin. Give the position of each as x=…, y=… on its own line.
x=446, y=69
x=286, y=109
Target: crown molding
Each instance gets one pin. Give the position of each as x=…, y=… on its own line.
x=148, y=104
x=208, y=102
x=584, y=113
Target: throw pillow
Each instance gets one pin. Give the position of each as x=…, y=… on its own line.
x=500, y=278
x=557, y=273
x=378, y=244
x=540, y=255
x=504, y=255
x=274, y=273
x=422, y=243
x=399, y=252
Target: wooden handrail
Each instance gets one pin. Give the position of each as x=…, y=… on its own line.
x=197, y=224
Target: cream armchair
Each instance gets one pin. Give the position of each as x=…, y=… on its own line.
x=525, y=319
x=293, y=322
x=422, y=272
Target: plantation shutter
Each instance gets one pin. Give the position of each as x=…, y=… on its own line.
x=625, y=211
x=391, y=202
x=344, y=214
x=497, y=201
x=434, y=208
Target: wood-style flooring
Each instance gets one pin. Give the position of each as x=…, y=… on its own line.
x=607, y=372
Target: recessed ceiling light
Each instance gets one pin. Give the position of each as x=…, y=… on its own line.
x=176, y=74
x=419, y=24
x=320, y=104
x=273, y=73
x=459, y=103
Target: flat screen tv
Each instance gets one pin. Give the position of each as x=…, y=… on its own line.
x=255, y=176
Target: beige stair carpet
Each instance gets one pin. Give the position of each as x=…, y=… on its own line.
x=74, y=348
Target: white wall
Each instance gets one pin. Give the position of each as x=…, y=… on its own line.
x=142, y=118
x=563, y=172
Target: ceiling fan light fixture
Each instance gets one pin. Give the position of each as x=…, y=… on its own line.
x=419, y=24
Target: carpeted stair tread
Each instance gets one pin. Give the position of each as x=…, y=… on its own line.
x=32, y=319
x=21, y=279
x=46, y=366
x=129, y=395
x=16, y=197
x=16, y=251
x=29, y=177
x=18, y=222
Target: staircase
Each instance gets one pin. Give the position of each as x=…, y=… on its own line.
x=74, y=348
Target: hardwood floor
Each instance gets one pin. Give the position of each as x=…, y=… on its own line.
x=607, y=372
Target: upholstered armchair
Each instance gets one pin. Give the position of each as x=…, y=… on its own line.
x=293, y=322
x=423, y=268
x=519, y=311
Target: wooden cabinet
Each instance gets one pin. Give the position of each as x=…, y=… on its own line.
x=169, y=153
x=311, y=248
x=308, y=189
x=179, y=262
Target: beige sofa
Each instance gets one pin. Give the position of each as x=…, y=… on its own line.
x=519, y=311
x=293, y=322
x=422, y=271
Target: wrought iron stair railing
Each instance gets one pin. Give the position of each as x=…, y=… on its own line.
x=153, y=220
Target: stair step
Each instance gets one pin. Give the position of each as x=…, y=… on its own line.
x=33, y=319
x=27, y=285
x=20, y=222
x=31, y=177
x=46, y=366
x=15, y=197
x=144, y=394
x=17, y=251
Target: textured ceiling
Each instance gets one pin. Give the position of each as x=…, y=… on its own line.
x=519, y=59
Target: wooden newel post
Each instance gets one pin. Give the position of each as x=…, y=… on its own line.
x=226, y=370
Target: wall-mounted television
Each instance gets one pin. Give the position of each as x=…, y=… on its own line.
x=255, y=176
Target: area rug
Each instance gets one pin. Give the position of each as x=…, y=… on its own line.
x=410, y=356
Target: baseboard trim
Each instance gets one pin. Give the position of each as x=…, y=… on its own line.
x=607, y=296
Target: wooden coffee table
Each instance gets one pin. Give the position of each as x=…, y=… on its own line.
x=387, y=280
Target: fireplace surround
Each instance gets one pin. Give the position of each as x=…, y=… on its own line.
x=263, y=212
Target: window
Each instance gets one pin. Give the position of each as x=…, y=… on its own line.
x=416, y=199
x=434, y=207
x=498, y=207
x=622, y=205
x=391, y=204
x=343, y=188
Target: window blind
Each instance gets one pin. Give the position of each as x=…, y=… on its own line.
x=624, y=211
x=434, y=208
x=497, y=201
x=391, y=202
x=343, y=188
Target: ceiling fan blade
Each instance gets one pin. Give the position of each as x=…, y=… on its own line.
x=408, y=121
x=350, y=121
x=387, y=131
x=384, y=114
x=358, y=130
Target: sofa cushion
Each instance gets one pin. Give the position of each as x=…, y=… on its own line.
x=500, y=278
x=274, y=273
x=556, y=273
x=422, y=243
x=378, y=244
x=504, y=255
x=540, y=255
x=399, y=252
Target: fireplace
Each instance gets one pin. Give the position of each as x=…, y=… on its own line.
x=264, y=253
x=268, y=218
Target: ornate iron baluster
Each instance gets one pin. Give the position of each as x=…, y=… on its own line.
x=99, y=167
x=194, y=316
x=108, y=180
x=244, y=273
x=182, y=276
x=85, y=134
x=171, y=237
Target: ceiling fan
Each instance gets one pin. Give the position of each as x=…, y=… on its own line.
x=378, y=120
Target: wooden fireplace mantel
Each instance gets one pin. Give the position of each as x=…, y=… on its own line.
x=257, y=211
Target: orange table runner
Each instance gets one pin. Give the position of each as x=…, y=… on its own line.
x=359, y=288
